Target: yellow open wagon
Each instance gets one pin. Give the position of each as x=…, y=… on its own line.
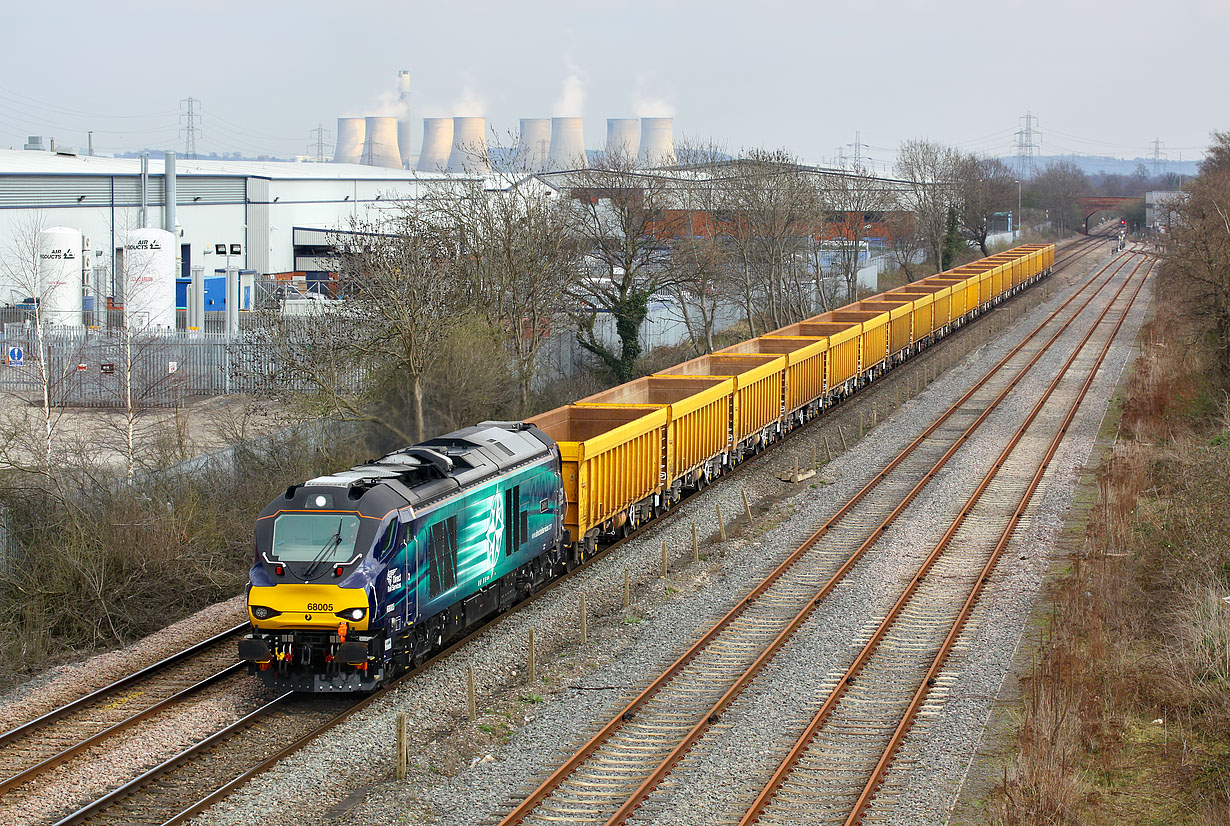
x=613, y=460
x=756, y=404
x=699, y=426
x=803, y=392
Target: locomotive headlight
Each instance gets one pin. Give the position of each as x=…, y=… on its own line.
x=263, y=613
x=352, y=614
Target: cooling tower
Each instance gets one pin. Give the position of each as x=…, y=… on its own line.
x=350, y=134
x=437, y=143
x=403, y=118
x=657, y=142
x=534, y=143
x=469, y=152
x=58, y=291
x=622, y=140
x=380, y=144
x=567, y=144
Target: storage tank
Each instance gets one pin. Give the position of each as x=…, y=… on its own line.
x=380, y=144
x=350, y=135
x=403, y=118
x=622, y=140
x=437, y=144
x=469, y=153
x=567, y=144
x=534, y=143
x=58, y=290
x=657, y=142
x=148, y=279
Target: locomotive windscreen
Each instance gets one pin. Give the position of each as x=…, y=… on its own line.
x=322, y=538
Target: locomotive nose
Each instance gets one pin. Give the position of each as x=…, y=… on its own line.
x=292, y=606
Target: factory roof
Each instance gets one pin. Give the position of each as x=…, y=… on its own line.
x=33, y=162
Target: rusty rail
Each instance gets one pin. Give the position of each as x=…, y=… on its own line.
x=800, y=746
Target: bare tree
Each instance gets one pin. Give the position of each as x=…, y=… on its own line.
x=518, y=251
x=984, y=186
x=623, y=219
x=1199, y=242
x=777, y=209
x=929, y=170
x=1057, y=187
x=854, y=199
x=26, y=272
x=701, y=254
x=404, y=295
x=901, y=231
x=367, y=357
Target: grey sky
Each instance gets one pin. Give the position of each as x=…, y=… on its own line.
x=1103, y=78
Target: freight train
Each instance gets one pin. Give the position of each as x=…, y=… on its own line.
x=362, y=574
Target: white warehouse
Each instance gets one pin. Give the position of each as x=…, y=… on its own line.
x=266, y=212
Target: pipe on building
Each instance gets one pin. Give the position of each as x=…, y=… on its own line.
x=168, y=188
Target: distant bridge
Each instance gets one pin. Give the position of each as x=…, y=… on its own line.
x=1094, y=204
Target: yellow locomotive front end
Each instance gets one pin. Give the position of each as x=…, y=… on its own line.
x=311, y=591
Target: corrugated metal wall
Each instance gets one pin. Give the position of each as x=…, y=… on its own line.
x=46, y=191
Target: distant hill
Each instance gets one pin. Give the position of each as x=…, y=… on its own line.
x=1093, y=164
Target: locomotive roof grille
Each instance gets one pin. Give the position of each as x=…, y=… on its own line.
x=438, y=467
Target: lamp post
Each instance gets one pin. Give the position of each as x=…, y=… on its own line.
x=231, y=305
x=1018, y=205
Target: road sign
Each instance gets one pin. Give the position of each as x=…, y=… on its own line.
x=107, y=369
x=16, y=356
x=172, y=366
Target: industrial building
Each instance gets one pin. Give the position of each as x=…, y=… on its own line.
x=266, y=217
x=263, y=218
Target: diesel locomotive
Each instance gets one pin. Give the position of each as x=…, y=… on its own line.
x=360, y=574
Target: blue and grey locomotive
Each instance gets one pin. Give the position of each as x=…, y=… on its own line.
x=362, y=573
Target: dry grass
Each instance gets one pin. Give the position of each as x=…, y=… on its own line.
x=1126, y=717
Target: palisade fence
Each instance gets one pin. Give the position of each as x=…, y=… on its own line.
x=90, y=368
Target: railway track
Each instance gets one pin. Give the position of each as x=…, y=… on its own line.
x=625, y=760
x=252, y=743
x=832, y=771
x=35, y=747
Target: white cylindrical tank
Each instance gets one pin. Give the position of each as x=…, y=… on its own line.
x=567, y=144
x=469, y=153
x=148, y=279
x=380, y=145
x=350, y=135
x=622, y=140
x=657, y=142
x=534, y=143
x=58, y=287
x=437, y=144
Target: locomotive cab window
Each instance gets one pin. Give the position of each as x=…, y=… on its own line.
x=314, y=537
x=390, y=540
x=442, y=556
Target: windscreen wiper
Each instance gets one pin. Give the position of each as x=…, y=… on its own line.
x=327, y=549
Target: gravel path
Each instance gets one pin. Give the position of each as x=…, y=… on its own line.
x=462, y=772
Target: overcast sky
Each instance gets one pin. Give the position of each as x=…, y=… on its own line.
x=1101, y=77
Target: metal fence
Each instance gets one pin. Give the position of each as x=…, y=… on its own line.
x=104, y=369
